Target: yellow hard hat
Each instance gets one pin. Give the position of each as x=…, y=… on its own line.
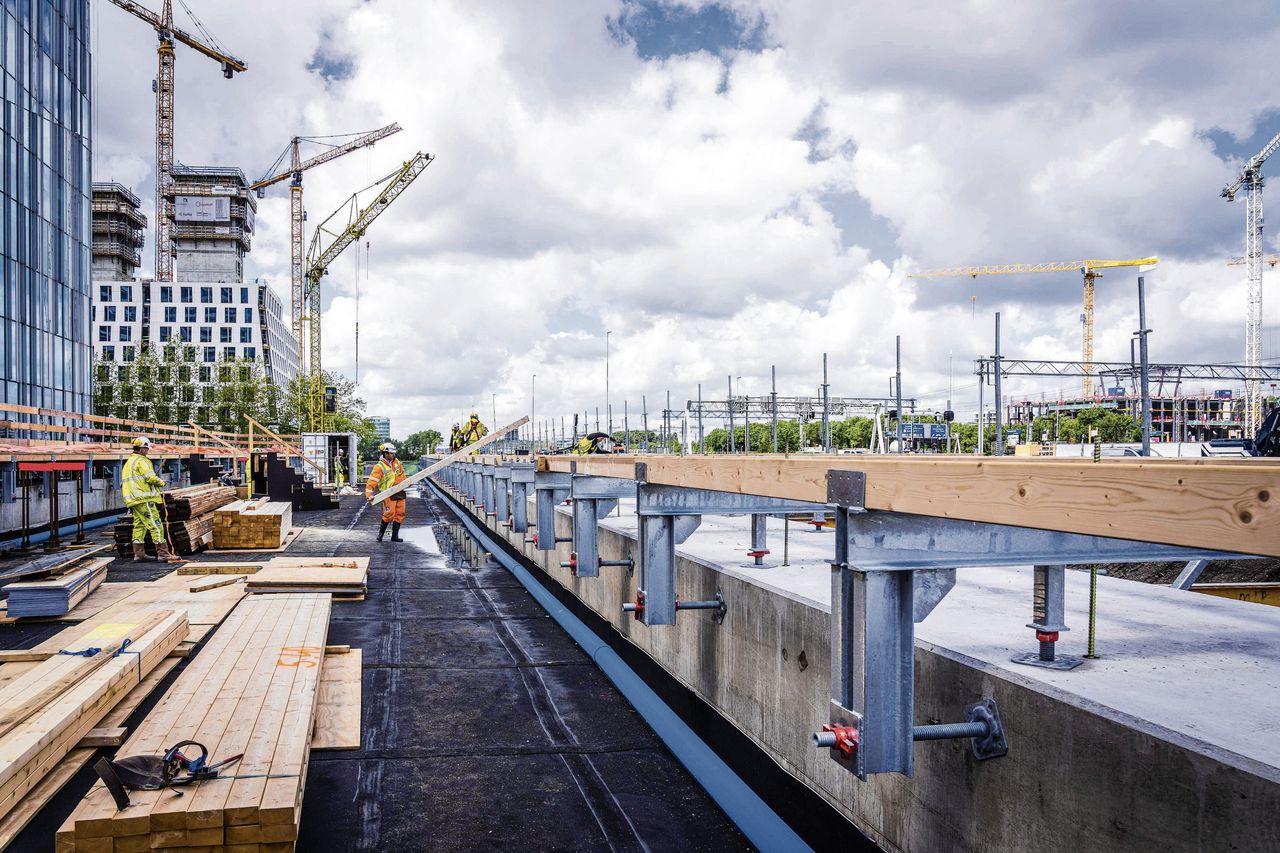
x=474, y=416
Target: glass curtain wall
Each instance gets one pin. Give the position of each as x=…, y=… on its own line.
x=45, y=204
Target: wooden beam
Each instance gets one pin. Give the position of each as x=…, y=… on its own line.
x=1200, y=504
x=452, y=457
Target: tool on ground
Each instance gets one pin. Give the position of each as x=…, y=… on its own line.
x=155, y=772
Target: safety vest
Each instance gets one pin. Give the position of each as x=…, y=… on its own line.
x=473, y=431
x=585, y=446
x=139, y=483
x=385, y=475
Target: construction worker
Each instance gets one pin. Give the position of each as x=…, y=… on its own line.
x=474, y=430
x=596, y=442
x=141, y=488
x=387, y=472
x=339, y=468
x=455, y=439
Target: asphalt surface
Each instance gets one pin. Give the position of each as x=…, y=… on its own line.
x=484, y=726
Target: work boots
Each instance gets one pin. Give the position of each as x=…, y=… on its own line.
x=164, y=554
x=395, y=532
x=140, y=553
x=382, y=531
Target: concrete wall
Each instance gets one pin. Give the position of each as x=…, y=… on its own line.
x=1078, y=777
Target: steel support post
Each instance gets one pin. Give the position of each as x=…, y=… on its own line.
x=522, y=477
x=502, y=494
x=593, y=499
x=551, y=488
x=487, y=479
x=1048, y=614
x=759, y=539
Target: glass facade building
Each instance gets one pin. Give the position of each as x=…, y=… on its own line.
x=45, y=194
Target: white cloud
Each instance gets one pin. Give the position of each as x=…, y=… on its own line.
x=684, y=203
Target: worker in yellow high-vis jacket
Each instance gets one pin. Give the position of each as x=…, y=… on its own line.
x=473, y=431
x=141, y=489
x=387, y=472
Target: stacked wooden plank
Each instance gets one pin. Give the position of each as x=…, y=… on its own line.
x=56, y=596
x=252, y=524
x=188, y=516
x=252, y=689
x=196, y=501
x=342, y=577
x=46, y=711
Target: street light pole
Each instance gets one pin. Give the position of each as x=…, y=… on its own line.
x=608, y=409
x=533, y=406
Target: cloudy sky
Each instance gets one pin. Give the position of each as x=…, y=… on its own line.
x=729, y=186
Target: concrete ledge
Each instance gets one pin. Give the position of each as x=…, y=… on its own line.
x=1174, y=750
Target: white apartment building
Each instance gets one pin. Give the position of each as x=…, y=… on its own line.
x=212, y=321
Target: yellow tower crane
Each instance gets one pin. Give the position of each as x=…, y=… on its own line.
x=331, y=238
x=168, y=34
x=296, y=216
x=1089, y=269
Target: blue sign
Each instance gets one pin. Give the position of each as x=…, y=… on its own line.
x=1222, y=394
x=1115, y=392
x=932, y=432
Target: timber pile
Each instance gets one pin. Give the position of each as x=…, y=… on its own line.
x=46, y=711
x=188, y=515
x=195, y=501
x=55, y=597
x=252, y=524
x=252, y=689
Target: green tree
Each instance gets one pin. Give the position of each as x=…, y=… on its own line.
x=419, y=444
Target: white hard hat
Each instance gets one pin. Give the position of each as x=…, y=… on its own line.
x=387, y=447
x=142, y=441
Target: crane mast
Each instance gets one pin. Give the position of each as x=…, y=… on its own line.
x=1250, y=180
x=164, y=86
x=1088, y=269
x=340, y=235
x=296, y=167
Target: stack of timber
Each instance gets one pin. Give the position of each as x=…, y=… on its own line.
x=343, y=577
x=47, y=710
x=252, y=524
x=55, y=597
x=252, y=689
x=196, y=501
x=48, y=565
x=188, y=515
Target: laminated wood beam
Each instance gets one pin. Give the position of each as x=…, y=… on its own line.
x=1233, y=506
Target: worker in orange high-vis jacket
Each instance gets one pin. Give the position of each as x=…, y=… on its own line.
x=387, y=472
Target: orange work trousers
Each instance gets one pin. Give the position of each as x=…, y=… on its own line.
x=393, y=509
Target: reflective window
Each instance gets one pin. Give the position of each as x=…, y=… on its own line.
x=246, y=335
x=206, y=293
x=171, y=315
x=166, y=293
x=225, y=294
x=228, y=315
x=185, y=294
x=224, y=334
x=188, y=315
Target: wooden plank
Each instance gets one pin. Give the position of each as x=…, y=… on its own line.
x=217, y=581
x=49, y=679
x=289, y=539
x=34, y=747
x=251, y=689
x=23, y=655
x=103, y=736
x=219, y=568
x=1231, y=507
x=328, y=578
x=338, y=705
x=452, y=457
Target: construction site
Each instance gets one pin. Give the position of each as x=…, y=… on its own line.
x=770, y=608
